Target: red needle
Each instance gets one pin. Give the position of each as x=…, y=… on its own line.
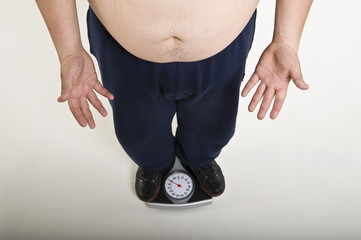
x=178, y=185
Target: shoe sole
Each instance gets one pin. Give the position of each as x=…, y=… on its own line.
x=148, y=200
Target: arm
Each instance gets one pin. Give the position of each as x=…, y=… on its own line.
x=279, y=62
x=78, y=76
x=62, y=21
x=289, y=21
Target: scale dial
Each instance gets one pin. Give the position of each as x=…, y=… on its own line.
x=179, y=185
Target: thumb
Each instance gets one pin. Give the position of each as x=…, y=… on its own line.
x=297, y=78
x=66, y=85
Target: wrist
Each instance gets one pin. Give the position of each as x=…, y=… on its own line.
x=279, y=39
x=65, y=53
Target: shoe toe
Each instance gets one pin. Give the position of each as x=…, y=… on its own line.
x=215, y=187
x=147, y=193
x=211, y=179
x=147, y=185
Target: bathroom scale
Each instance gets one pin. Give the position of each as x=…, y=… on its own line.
x=179, y=190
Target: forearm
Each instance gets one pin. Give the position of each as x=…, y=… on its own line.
x=61, y=20
x=289, y=21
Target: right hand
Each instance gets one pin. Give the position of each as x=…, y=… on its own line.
x=78, y=82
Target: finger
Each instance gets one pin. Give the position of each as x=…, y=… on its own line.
x=278, y=103
x=266, y=102
x=66, y=86
x=297, y=78
x=93, y=99
x=257, y=97
x=84, y=106
x=250, y=84
x=76, y=111
x=101, y=90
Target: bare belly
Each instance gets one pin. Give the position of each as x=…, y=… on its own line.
x=172, y=30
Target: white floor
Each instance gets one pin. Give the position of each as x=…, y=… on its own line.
x=297, y=177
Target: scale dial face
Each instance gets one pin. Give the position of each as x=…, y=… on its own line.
x=179, y=184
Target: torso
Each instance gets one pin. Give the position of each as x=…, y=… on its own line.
x=173, y=30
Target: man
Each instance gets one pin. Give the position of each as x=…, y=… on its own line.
x=162, y=57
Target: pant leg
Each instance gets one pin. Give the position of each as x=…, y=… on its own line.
x=142, y=116
x=207, y=120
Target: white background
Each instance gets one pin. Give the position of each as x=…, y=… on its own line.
x=296, y=177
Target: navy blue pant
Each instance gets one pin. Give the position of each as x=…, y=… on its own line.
x=204, y=94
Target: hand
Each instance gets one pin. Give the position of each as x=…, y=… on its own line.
x=79, y=80
x=277, y=66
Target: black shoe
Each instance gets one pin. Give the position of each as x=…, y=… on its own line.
x=147, y=184
x=211, y=179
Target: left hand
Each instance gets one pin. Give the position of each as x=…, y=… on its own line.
x=277, y=66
